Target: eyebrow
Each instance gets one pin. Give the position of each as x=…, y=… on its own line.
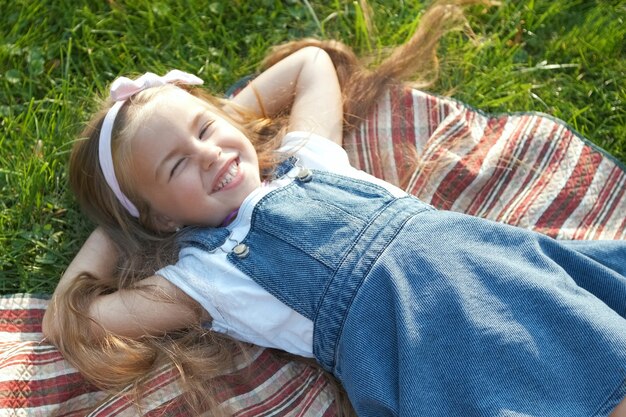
x=194, y=126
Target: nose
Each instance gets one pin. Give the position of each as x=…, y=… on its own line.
x=208, y=154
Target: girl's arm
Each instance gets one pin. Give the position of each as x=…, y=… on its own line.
x=154, y=307
x=307, y=82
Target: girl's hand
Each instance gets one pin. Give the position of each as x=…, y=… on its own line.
x=306, y=82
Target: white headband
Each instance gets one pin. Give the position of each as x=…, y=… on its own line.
x=122, y=89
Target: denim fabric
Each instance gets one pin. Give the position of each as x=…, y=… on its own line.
x=420, y=312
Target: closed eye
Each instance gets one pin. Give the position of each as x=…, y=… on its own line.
x=175, y=167
x=204, y=129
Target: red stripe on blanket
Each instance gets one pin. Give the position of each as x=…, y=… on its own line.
x=152, y=385
x=305, y=384
x=402, y=133
x=311, y=393
x=429, y=167
x=466, y=170
x=516, y=148
x=25, y=393
x=21, y=321
x=573, y=192
x=621, y=231
x=609, y=196
x=32, y=357
x=81, y=412
x=173, y=408
x=371, y=145
x=360, y=141
x=300, y=386
x=438, y=110
x=356, y=142
x=353, y=143
x=255, y=374
x=541, y=172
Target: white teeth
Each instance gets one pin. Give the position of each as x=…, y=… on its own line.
x=228, y=176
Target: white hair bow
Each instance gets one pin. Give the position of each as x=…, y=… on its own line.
x=123, y=88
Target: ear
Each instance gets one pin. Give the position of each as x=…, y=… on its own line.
x=164, y=223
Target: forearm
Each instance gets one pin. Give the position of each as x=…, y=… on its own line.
x=274, y=89
x=97, y=256
x=305, y=83
x=153, y=306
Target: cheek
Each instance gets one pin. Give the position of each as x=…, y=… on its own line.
x=188, y=185
x=251, y=152
x=181, y=188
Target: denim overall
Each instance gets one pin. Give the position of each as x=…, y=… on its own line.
x=420, y=312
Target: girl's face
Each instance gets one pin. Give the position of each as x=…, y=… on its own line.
x=191, y=165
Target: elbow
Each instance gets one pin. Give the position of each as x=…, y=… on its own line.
x=68, y=330
x=58, y=322
x=67, y=317
x=314, y=55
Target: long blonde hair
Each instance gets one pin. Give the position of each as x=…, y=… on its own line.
x=113, y=363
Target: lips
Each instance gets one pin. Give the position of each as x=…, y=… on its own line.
x=226, y=175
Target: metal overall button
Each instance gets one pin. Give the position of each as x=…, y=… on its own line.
x=305, y=175
x=241, y=250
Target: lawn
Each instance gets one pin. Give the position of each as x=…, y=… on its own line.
x=566, y=58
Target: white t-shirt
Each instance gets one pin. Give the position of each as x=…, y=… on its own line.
x=239, y=306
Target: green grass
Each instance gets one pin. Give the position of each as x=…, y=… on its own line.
x=562, y=57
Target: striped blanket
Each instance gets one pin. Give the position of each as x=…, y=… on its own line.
x=524, y=169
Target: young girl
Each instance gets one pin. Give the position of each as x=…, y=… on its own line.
x=283, y=244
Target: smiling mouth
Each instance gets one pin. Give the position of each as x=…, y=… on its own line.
x=228, y=176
